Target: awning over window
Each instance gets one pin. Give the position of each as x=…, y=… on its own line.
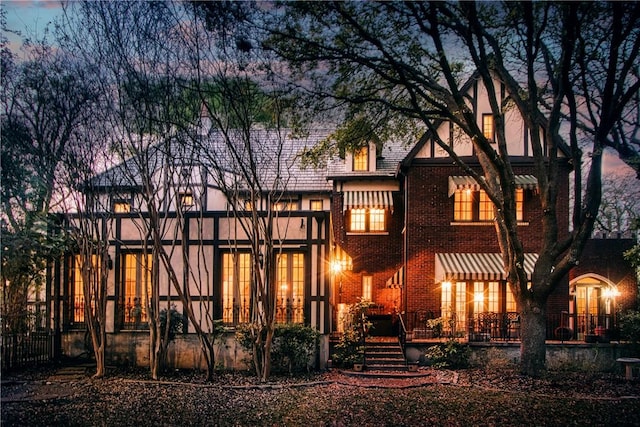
x=367, y=199
x=476, y=266
x=397, y=280
x=526, y=182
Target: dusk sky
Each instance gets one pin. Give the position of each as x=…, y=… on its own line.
x=31, y=17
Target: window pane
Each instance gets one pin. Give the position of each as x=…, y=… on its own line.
x=376, y=220
x=478, y=297
x=493, y=297
x=121, y=207
x=316, y=205
x=137, y=289
x=463, y=205
x=511, y=301
x=358, y=220
x=361, y=159
x=461, y=305
x=486, y=207
x=290, y=283
x=366, y=287
x=519, y=204
x=487, y=126
x=236, y=279
x=78, y=291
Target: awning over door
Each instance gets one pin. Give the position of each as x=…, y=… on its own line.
x=476, y=266
x=397, y=280
x=367, y=199
x=526, y=182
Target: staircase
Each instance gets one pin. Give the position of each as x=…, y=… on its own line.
x=384, y=354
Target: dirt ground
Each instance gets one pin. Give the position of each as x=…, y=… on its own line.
x=70, y=396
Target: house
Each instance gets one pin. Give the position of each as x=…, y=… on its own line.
x=397, y=223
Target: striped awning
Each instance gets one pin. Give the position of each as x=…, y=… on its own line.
x=526, y=182
x=476, y=266
x=367, y=199
x=397, y=280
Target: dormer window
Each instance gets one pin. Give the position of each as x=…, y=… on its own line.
x=186, y=199
x=361, y=159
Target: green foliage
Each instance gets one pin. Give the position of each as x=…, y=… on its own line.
x=350, y=349
x=292, y=348
x=451, y=354
x=175, y=322
x=630, y=326
x=436, y=325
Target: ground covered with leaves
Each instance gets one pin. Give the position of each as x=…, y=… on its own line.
x=499, y=396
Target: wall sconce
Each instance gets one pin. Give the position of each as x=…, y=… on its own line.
x=109, y=262
x=302, y=223
x=261, y=260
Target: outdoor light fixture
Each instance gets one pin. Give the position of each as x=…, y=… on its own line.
x=261, y=259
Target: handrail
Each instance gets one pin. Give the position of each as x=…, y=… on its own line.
x=364, y=338
x=402, y=331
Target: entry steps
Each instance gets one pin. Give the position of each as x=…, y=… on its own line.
x=384, y=354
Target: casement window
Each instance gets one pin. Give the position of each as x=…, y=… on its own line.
x=77, y=292
x=236, y=280
x=136, y=295
x=361, y=159
x=454, y=304
x=367, y=285
x=476, y=206
x=316, y=205
x=367, y=220
x=488, y=129
x=463, y=205
x=121, y=206
x=510, y=301
x=290, y=288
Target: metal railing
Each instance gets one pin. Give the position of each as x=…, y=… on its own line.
x=25, y=349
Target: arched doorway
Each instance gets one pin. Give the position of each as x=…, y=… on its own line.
x=592, y=308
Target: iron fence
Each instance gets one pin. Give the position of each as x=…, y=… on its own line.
x=25, y=349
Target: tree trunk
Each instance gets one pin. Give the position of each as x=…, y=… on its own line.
x=533, y=335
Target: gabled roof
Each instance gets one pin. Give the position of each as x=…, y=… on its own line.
x=387, y=162
x=275, y=153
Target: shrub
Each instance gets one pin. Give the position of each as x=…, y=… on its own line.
x=450, y=354
x=292, y=347
x=350, y=349
x=630, y=326
x=175, y=322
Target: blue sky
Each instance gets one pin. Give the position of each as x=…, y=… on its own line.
x=29, y=17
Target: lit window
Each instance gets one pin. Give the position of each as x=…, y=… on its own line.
x=478, y=298
x=236, y=279
x=286, y=205
x=136, y=269
x=367, y=220
x=248, y=205
x=316, y=205
x=486, y=207
x=290, y=283
x=493, y=297
x=121, y=206
x=367, y=282
x=487, y=127
x=463, y=205
x=361, y=159
x=358, y=222
x=511, y=300
x=519, y=204
x=186, y=199
x=77, y=316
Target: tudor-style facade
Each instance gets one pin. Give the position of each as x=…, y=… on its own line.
x=397, y=223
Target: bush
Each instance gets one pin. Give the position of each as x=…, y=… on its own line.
x=175, y=322
x=292, y=348
x=450, y=354
x=630, y=326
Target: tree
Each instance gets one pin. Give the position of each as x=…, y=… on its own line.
x=570, y=70
x=44, y=98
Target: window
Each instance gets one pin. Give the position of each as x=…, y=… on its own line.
x=236, y=279
x=463, y=205
x=454, y=305
x=136, y=269
x=285, y=205
x=487, y=127
x=511, y=301
x=78, y=314
x=290, y=282
x=316, y=205
x=186, y=199
x=367, y=220
x=367, y=282
x=485, y=211
x=121, y=206
x=471, y=205
x=361, y=159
